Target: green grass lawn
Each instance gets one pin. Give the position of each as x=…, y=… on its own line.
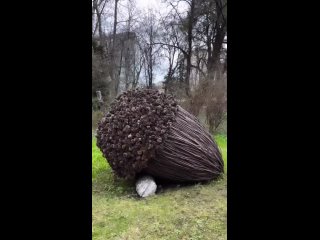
x=193, y=212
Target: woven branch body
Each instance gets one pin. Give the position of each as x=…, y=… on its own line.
x=189, y=153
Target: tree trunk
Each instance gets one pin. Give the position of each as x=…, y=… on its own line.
x=189, y=38
x=113, y=74
x=218, y=40
x=119, y=73
x=217, y=47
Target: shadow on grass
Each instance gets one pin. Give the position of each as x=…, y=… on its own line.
x=167, y=186
x=110, y=186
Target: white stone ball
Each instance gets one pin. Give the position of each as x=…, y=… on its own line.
x=146, y=186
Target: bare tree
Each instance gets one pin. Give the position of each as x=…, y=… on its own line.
x=98, y=7
x=133, y=60
x=148, y=35
x=137, y=64
x=190, y=24
x=186, y=23
x=170, y=39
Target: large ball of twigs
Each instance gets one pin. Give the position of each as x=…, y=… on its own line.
x=147, y=132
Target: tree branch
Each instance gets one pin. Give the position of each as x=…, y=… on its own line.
x=170, y=45
x=200, y=70
x=174, y=7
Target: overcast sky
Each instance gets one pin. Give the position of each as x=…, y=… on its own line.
x=145, y=4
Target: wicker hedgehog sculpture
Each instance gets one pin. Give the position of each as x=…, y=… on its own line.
x=148, y=132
